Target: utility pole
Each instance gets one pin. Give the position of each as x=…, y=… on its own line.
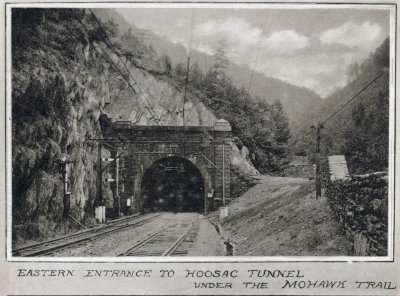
x=184, y=103
x=117, y=186
x=318, y=126
x=117, y=198
x=223, y=174
x=99, y=175
x=185, y=90
x=100, y=203
x=64, y=166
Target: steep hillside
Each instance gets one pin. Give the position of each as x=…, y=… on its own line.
x=260, y=125
x=361, y=129
x=297, y=102
x=281, y=217
x=64, y=76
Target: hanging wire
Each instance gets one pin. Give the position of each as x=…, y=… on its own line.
x=342, y=107
x=112, y=47
x=188, y=65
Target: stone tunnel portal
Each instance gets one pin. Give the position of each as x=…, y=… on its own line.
x=172, y=184
x=168, y=168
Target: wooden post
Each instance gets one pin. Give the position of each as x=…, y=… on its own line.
x=185, y=90
x=99, y=175
x=223, y=173
x=205, y=199
x=318, y=127
x=64, y=163
x=76, y=221
x=66, y=197
x=116, y=186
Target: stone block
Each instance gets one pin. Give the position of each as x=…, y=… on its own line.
x=222, y=125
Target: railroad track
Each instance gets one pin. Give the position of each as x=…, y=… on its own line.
x=51, y=246
x=173, y=239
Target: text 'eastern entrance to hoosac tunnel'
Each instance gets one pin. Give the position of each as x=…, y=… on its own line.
x=172, y=184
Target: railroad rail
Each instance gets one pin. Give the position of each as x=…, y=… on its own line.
x=51, y=246
x=173, y=239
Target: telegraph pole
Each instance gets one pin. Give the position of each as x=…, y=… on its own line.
x=99, y=175
x=64, y=166
x=223, y=174
x=117, y=186
x=318, y=127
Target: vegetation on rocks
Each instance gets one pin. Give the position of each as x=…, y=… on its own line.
x=55, y=106
x=262, y=127
x=65, y=74
x=361, y=204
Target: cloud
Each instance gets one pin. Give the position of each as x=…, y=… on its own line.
x=307, y=48
x=285, y=41
x=323, y=73
x=365, y=36
x=241, y=36
x=232, y=30
x=319, y=62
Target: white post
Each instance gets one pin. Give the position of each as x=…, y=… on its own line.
x=223, y=173
x=116, y=186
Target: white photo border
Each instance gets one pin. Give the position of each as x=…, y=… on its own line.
x=391, y=6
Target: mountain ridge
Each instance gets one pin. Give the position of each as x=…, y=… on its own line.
x=297, y=101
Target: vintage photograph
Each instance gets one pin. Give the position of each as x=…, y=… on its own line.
x=201, y=130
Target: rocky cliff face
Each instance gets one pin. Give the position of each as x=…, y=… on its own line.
x=59, y=91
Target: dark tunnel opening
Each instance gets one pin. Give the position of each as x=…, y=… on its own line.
x=172, y=184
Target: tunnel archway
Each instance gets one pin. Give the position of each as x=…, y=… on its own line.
x=172, y=184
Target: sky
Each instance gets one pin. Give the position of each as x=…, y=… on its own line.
x=311, y=48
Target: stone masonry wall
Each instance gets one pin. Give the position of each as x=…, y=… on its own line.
x=361, y=204
x=240, y=181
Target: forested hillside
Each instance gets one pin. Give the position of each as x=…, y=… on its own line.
x=361, y=130
x=297, y=102
x=261, y=126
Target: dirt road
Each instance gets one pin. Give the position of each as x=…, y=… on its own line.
x=281, y=217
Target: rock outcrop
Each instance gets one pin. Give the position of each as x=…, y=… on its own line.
x=58, y=97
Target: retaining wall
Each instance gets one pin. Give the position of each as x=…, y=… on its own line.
x=361, y=204
x=240, y=181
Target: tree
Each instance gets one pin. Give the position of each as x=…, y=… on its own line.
x=133, y=47
x=354, y=71
x=220, y=60
x=382, y=54
x=221, y=63
x=180, y=71
x=358, y=114
x=166, y=63
x=196, y=76
x=281, y=124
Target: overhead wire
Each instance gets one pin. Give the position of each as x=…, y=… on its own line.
x=188, y=65
x=110, y=60
x=110, y=44
x=300, y=138
x=341, y=108
x=354, y=97
x=255, y=62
